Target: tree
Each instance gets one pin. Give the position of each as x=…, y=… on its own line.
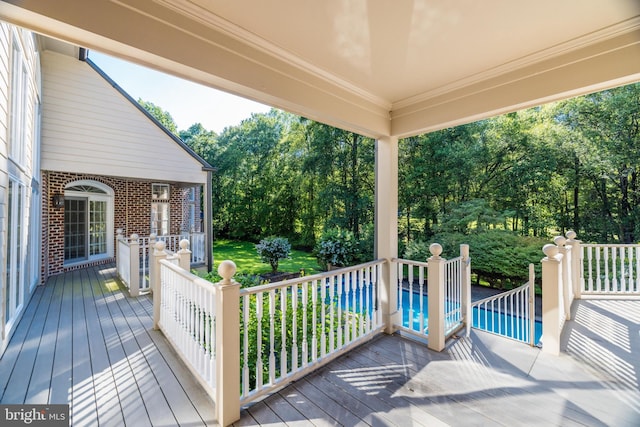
x=272, y=250
x=160, y=115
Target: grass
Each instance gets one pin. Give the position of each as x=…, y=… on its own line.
x=248, y=262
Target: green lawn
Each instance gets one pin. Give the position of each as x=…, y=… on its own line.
x=248, y=262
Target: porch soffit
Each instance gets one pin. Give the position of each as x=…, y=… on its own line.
x=378, y=68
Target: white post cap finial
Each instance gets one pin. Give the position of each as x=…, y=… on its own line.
x=559, y=240
x=184, y=244
x=550, y=250
x=435, y=249
x=571, y=235
x=226, y=270
x=160, y=245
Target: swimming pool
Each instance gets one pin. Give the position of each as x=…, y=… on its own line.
x=499, y=323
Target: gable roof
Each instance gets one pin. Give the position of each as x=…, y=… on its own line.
x=125, y=94
x=91, y=125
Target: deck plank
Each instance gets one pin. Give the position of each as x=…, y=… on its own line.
x=40, y=383
x=83, y=407
x=175, y=398
x=109, y=410
x=13, y=351
x=22, y=371
x=62, y=360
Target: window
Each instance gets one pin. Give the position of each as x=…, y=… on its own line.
x=88, y=221
x=19, y=104
x=16, y=251
x=160, y=209
x=160, y=192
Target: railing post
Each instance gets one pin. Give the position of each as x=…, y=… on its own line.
x=134, y=266
x=567, y=286
x=466, y=287
x=119, y=237
x=532, y=305
x=184, y=255
x=155, y=255
x=435, y=290
x=551, y=277
x=577, y=266
x=227, y=346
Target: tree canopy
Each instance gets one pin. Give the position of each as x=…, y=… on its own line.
x=533, y=173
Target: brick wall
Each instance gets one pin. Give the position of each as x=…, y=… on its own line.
x=132, y=212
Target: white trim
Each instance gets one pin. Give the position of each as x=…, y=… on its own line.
x=108, y=198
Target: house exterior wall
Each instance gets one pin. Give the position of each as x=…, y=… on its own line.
x=19, y=174
x=89, y=127
x=132, y=212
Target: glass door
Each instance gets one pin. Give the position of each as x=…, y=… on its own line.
x=75, y=229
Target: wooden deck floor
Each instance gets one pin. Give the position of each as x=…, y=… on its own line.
x=83, y=342
x=479, y=380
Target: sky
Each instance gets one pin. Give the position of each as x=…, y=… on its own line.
x=187, y=102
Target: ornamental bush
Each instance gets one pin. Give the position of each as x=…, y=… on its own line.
x=338, y=248
x=272, y=250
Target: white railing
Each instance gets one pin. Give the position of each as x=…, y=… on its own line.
x=453, y=315
x=187, y=319
x=436, y=292
x=124, y=261
x=510, y=314
x=292, y=327
x=127, y=263
x=133, y=263
x=609, y=269
x=412, y=296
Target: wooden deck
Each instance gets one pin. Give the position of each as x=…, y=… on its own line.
x=82, y=341
x=479, y=380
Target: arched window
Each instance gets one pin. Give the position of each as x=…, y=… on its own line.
x=88, y=221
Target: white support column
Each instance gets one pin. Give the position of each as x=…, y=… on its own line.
x=227, y=345
x=134, y=266
x=466, y=287
x=567, y=288
x=156, y=253
x=184, y=255
x=551, y=277
x=435, y=290
x=576, y=261
x=386, y=220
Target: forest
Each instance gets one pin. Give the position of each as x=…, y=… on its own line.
x=521, y=177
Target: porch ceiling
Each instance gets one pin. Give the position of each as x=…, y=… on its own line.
x=378, y=68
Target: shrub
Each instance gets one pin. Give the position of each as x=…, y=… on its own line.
x=338, y=248
x=272, y=250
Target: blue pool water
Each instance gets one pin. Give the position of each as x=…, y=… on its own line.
x=504, y=324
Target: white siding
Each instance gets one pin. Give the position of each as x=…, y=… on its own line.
x=89, y=127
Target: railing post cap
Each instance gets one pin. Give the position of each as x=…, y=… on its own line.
x=160, y=245
x=559, y=240
x=226, y=270
x=435, y=249
x=153, y=236
x=134, y=236
x=464, y=250
x=571, y=235
x=184, y=244
x=550, y=250
x=118, y=230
